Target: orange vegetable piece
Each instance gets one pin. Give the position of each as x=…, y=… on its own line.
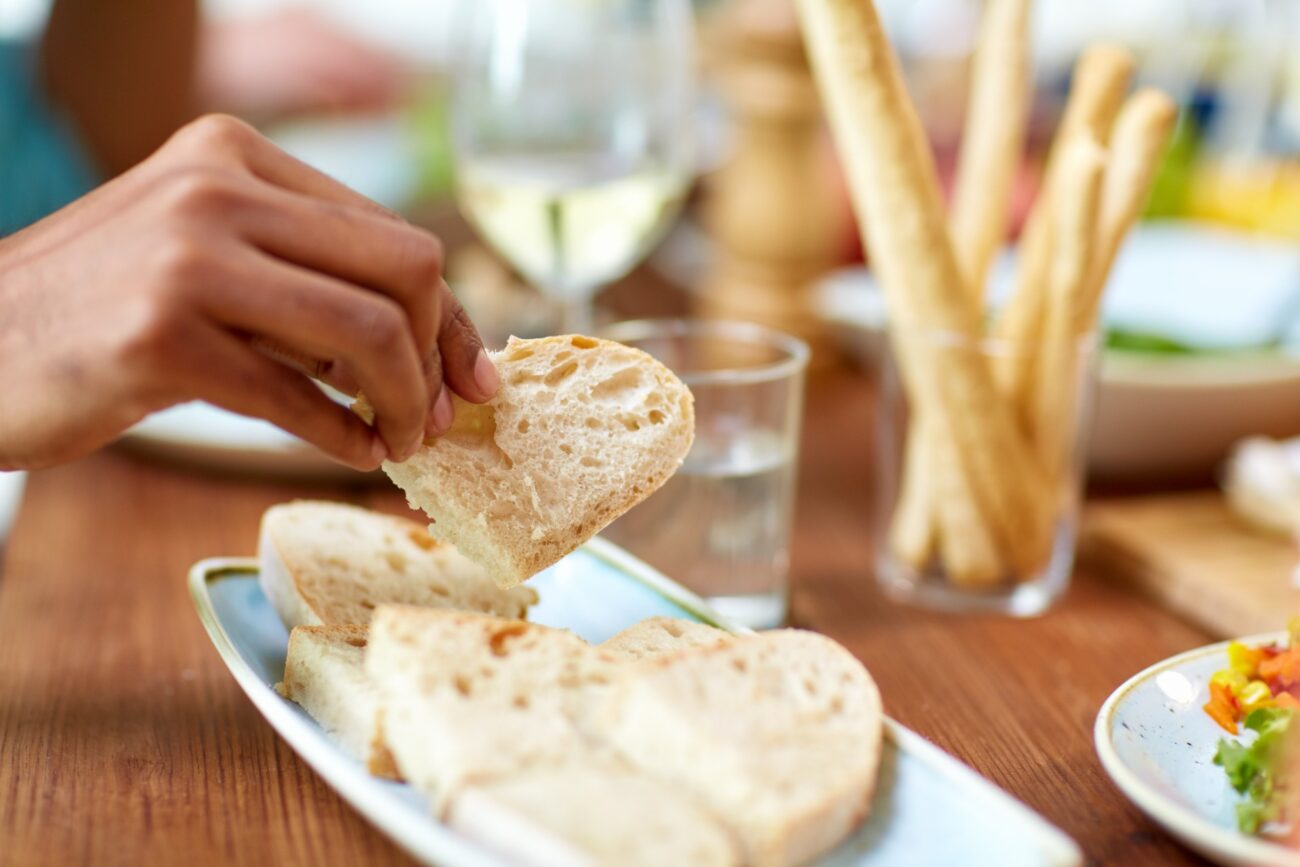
x=1222, y=714
x=1283, y=668
x=1222, y=707
x=1285, y=699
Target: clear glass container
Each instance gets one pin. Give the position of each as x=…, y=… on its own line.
x=721, y=525
x=940, y=537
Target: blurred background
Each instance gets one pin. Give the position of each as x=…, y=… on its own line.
x=1203, y=313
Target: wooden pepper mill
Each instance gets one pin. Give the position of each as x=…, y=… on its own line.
x=772, y=210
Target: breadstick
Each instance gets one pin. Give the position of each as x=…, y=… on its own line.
x=991, y=149
x=1141, y=132
x=1074, y=231
x=932, y=474
x=1100, y=80
x=993, y=141
x=912, y=532
x=895, y=192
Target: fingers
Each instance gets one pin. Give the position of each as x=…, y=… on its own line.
x=335, y=374
x=466, y=365
x=225, y=371
x=355, y=245
x=323, y=318
x=221, y=140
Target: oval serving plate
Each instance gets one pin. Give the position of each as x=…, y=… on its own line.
x=928, y=807
x=1158, y=745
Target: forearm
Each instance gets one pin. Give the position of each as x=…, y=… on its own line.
x=124, y=71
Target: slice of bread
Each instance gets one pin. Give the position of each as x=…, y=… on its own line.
x=581, y=430
x=591, y=815
x=324, y=672
x=332, y=563
x=470, y=698
x=778, y=733
x=659, y=635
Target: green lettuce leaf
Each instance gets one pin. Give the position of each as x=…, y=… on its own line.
x=1254, y=769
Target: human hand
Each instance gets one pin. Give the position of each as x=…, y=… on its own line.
x=210, y=271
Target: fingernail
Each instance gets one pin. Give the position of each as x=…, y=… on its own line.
x=378, y=451
x=442, y=411
x=485, y=374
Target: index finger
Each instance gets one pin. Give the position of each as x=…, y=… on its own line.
x=229, y=137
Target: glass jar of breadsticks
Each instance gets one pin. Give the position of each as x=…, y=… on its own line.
x=982, y=517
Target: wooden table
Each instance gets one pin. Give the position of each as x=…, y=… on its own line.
x=123, y=739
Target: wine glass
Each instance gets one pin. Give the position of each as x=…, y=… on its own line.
x=572, y=127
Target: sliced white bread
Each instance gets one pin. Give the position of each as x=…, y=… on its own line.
x=580, y=431
x=332, y=563
x=470, y=698
x=591, y=815
x=324, y=672
x=659, y=635
x=778, y=733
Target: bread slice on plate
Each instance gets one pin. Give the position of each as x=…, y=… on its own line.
x=332, y=563
x=325, y=674
x=778, y=733
x=591, y=815
x=659, y=635
x=581, y=430
x=470, y=698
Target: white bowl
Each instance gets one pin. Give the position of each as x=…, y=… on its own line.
x=1179, y=416
x=1154, y=417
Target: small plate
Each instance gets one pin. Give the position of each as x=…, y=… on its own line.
x=201, y=435
x=1158, y=744
x=929, y=808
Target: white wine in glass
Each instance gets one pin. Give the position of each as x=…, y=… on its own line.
x=572, y=125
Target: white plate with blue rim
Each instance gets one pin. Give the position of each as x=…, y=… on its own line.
x=1157, y=743
x=929, y=808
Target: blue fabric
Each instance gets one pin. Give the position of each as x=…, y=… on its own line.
x=43, y=165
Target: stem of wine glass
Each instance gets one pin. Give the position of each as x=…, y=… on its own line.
x=577, y=313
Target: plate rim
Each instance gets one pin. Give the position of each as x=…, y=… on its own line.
x=1179, y=820
x=1057, y=848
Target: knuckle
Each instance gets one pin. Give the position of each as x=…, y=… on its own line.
x=423, y=260
x=217, y=132
x=180, y=263
x=198, y=192
x=382, y=327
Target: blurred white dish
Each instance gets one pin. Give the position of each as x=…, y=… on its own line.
x=202, y=435
x=372, y=155
x=1159, y=415
x=11, y=496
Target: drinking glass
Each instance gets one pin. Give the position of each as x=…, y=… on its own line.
x=928, y=574
x=571, y=125
x=721, y=525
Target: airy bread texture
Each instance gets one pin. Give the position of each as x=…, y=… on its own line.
x=470, y=698
x=585, y=815
x=331, y=563
x=325, y=674
x=581, y=430
x=779, y=733
x=659, y=635
x=777, y=736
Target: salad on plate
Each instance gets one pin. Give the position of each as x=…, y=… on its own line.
x=1255, y=699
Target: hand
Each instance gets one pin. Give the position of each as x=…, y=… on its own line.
x=183, y=279
x=292, y=61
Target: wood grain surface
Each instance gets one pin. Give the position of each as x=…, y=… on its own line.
x=1188, y=552
x=124, y=740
